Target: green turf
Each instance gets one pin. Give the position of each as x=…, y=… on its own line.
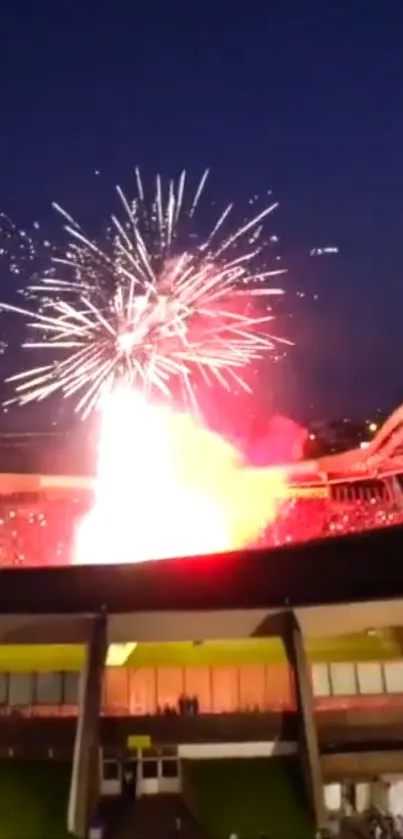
x=382, y=646
x=33, y=800
x=248, y=797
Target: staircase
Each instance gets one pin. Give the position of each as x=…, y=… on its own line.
x=155, y=817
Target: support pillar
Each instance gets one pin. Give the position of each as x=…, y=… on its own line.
x=84, y=785
x=308, y=744
x=395, y=491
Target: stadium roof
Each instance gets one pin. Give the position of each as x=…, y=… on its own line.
x=328, y=571
x=336, y=586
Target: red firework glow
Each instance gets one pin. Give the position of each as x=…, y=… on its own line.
x=167, y=487
x=209, y=487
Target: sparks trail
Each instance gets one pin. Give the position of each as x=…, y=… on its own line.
x=142, y=307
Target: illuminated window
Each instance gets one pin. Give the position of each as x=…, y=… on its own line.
x=332, y=795
x=393, y=673
x=320, y=680
x=369, y=675
x=343, y=679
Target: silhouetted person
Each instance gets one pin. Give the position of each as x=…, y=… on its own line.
x=178, y=827
x=128, y=782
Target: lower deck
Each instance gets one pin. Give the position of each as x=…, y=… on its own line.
x=341, y=731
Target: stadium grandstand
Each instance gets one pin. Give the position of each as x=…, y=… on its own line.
x=349, y=492
x=254, y=693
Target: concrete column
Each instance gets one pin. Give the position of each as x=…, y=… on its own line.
x=307, y=731
x=84, y=785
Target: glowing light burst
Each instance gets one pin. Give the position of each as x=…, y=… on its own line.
x=152, y=301
x=166, y=487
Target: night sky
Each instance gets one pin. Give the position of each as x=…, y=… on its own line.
x=301, y=98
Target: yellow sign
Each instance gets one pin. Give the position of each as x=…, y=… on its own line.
x=138, y=741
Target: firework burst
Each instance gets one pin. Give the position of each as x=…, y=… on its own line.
x=150, y=302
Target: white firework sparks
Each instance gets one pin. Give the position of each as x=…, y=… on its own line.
x=144, y=308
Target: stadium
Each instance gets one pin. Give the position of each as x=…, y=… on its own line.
x=256, y=692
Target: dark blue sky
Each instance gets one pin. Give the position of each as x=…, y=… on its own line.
x=303, y=98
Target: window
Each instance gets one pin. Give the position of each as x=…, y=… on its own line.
x=21, y=689
x=48, y=689
x=370, y=679
x=343, y=679
x=332, y=796
x=110, y=770
x=150, y=769
x=71, y=680
x=393, y=673
x=3, y=688
x=320, y=680
x=169, y=768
